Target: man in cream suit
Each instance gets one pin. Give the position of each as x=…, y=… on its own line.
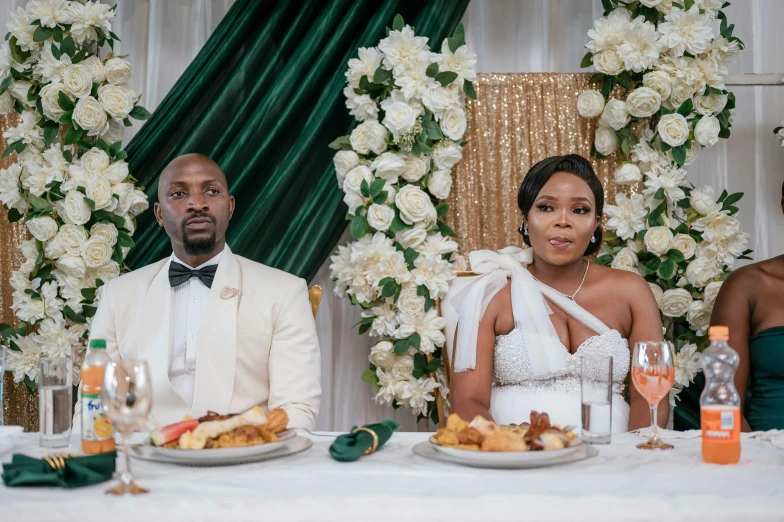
x=219, y=332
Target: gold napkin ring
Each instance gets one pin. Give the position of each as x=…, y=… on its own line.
x=375, y=439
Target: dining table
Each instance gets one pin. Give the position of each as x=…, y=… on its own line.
x=394, y=484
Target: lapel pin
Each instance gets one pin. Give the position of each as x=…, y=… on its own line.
x=228, y=292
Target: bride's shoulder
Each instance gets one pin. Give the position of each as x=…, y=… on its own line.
x=621, y=280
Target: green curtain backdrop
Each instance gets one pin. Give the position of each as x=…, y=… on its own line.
x=263, y=98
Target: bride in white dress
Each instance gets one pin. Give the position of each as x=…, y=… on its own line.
x=526, y=321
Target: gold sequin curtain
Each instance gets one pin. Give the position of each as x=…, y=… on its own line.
x=20, y=406
x=516, y=121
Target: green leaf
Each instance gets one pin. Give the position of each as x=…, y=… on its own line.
x=446, y=77
x=401, y=346
x=389, y=289
x=17, y=146
x=73, y=316
x=369, y=376
x=446, y=230
x=14, y=215
x=732, y=210
x=675, y=255
x=459, y=34
x=341, y=143
x=442, y=209
x=414, y=340
x=364, y=328
x=687, y=4
x=731, y=199
x=452, y=43
x=608, y=84
x=140, y=113
x=468, y=88
x=652, y=266
x=57, y=34
x=607, y=7
x=679, y=155
x=115, y=148
x=38, y=203
x=398, y=24
x=376, y=186
x=410, y=255
x=398, y=225
x=358, y=226
x=723, y=196
x=432, y=70
x=666, y=268
x=364, y=188
x=587, y=60
x=6, y=83
x=30, y=384
x=686, y=108
x=42, y=33
x=434, y=131
x=68, y=46
x=72, y=135
x=604, y=260
x=724, y=133
x=121, y=155
x=659, y=194
x=89, y=293
x=420, y=361
x=67, y=118
x=65, y=102
x=381, y=198
x=381, y=75
x=124, y=239
x=90, y=203
x=7, y=331
x=50, y=134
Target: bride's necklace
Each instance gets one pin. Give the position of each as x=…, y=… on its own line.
x=578, y=288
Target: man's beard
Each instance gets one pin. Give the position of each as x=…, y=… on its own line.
x=196, y=247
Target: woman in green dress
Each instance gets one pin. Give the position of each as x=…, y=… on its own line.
x=751, y=304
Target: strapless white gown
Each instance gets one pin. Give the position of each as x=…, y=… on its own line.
x=516, y=392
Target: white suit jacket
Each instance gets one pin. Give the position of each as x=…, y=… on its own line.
x=257, y=343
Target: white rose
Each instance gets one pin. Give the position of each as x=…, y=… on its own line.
x=106, y=272
x=117, y=172
x=707, y=131
x=380, y=217
x=691, y=153
x=414, y=205
x=698, y=316
x=416, y=167
x=643, y=102
x=42, y=228
x=369, y=136
x=446, y=155
x=117, y=100
x=673, y=129
x=650, y=3
x=627, y=174
x=19, y=89
x=49, y=101
x=439, y=99
x=76, y=209
x=403, y=367
x=660, y=82
x=400, y=118
x=453, y=123
x=77, y=80
x=702, y=201
x=96, y=69
x=625, y=258
x=124, y=191
x=96, y=252
x=605, y=141
x=89, y=115
x=72, y=266
x=355, y=177
x=95, y=161
x=615, y=115
x=382, y=355
x=701, y=270
x=114, y=132
x=344, y=161
x=410, y=303
x=6, y=103
x=440, y=184
x=608, y=62
x=53, y=249
x=710, y=104
x=657, y=293
x=675, y=302
x=590, y=104
x=412, y=237
x=711, y=292
x=130, y=223
x=71, y=237
x=139, y=202
x=100, y=191
x=117, y=70
x=686, y=244
x=389, y=166
x=658, y=240
x=680, y=93
x=105, y=231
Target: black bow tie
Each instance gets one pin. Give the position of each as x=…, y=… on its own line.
x=179, y=274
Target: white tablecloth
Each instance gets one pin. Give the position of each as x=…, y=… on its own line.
x=622, y=483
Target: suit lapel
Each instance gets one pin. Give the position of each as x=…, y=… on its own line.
x=154, y=346
x=217, y=353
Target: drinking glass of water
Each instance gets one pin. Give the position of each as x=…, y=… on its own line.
x=596, y=374
x=55, y=388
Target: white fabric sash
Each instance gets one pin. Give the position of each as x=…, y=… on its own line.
x=531, y=313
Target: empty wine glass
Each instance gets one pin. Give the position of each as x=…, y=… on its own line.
x=653, y=374
x=127, y=400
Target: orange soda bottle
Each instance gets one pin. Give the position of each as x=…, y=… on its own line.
x=97, y=430
x=720, y=401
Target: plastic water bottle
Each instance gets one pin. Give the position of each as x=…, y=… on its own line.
x=97, y=430
x=720, y=401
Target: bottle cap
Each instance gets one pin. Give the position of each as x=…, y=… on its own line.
x=719, y=333
x=97, y=344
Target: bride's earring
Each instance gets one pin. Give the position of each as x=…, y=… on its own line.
x=593, y=238
x=523, y=228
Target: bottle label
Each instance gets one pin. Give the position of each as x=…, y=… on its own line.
x=95, y=426
x=721, y=425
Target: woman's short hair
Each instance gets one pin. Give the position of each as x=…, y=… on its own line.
x=541, y=173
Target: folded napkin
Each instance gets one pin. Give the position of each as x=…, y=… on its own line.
x=78, y=471
x=351, y=446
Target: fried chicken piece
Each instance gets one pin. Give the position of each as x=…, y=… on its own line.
x=246, y=435
x=550, y=441
x=266, y=434
x=470, y=436
x=540, y=422
x=277, y=420
x=484, y=426
x=455, y=423
x=446, y=437
x=504, y=441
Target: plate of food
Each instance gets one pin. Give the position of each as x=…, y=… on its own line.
x=484, y=442
x=218, y=438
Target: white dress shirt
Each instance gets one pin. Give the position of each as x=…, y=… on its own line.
x=189, y=301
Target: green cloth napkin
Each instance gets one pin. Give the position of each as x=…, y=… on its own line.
x=351, y=446
x=78, y=471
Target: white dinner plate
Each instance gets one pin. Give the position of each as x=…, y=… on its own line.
x=505, y=459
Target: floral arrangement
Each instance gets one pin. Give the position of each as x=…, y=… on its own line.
x=394, y=168
x=70, y=184
x=671, y=62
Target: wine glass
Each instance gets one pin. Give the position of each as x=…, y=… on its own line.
x=653, y=374
x=127, y=400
